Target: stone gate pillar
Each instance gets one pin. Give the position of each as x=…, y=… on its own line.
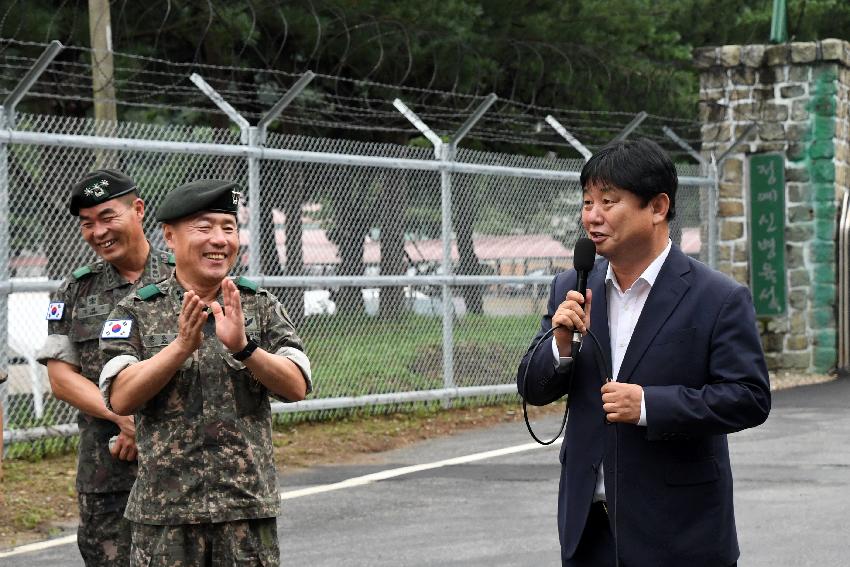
x=797, y=95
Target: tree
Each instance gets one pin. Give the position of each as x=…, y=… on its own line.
x=609, y=55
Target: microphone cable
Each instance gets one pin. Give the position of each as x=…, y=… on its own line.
x=546, y=335
x=602, y=363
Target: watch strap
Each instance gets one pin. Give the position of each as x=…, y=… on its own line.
x=247, y=351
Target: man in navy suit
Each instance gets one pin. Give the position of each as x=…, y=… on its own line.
x=645, y=472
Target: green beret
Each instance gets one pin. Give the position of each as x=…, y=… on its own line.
x=97, y=187
x=213, y=195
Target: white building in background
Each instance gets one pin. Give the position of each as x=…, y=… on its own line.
x=27, y=331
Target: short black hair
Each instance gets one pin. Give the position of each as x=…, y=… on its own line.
x=638, y=166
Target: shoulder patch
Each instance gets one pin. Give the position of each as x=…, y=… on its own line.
x=116, y=329
x=55, y=310
x=169, y=259
x=149, y=291
x=245, y=283
x=81, y=272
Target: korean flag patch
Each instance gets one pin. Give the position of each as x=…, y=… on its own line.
x=116, y=329
x=55, y=310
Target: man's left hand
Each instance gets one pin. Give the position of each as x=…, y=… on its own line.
x=124, y=448
x=229, y=322
x=621, y=402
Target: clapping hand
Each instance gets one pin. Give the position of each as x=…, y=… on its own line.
x=191, y=322
x=230, y=321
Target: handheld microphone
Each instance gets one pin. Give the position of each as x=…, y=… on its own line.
x=584, y=255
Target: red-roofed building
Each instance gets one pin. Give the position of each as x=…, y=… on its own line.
x=505, y=254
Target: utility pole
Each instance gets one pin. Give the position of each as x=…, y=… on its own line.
x=103, y=85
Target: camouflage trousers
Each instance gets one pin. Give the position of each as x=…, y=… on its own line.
x=104, y=535
x=225, y=544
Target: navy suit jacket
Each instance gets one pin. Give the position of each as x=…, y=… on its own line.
x=697, y=354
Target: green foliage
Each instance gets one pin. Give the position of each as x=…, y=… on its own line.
x=721, y=22
x=625, y=55
x=42, y=448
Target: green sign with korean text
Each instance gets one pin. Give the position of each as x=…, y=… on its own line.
x=767, y=233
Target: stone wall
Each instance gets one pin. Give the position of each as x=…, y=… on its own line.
x=798, y=95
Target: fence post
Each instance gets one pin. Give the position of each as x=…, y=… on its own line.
x=631, y=126
x=254, y=252
x=449, y=155
x=4, y=266
x=248, y=136
x=441, y=153
x=567, y=135
x=256, y=139
x=253, y=137
x=688, y=148
x=33, y=73
x=445, y=153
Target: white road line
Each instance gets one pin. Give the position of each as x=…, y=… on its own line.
x=39, y=545
x=401, y=471
x=348, y=483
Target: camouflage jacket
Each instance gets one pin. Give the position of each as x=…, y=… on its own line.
x=205, y=443
x=74, y=320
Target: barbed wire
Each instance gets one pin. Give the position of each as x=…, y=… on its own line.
x=159, y=84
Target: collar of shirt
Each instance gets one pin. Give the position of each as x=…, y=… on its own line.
x=150, y=273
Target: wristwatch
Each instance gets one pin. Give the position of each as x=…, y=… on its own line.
x=247, y=351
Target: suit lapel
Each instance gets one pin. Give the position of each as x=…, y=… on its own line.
x=599, y=309
x=665, y=295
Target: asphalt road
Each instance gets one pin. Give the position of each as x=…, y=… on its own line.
x=792, y=488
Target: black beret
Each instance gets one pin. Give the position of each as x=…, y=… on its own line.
x=214, y=195
x=97, y=187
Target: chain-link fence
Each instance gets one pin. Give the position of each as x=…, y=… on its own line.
x=410, y=278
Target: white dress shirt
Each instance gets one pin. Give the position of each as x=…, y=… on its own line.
x=624, y=309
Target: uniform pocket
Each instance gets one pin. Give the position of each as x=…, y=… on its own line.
x=173, y=399
x=249, y=394
x=139, y=555
x=255, y=543
x=83, y=330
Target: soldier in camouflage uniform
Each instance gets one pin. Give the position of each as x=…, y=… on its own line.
x=111, y=214
x=197, y=357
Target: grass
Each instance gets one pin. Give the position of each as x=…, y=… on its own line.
x=37, y=498
x=355, y=356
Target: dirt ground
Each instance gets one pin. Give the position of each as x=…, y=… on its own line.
x=38, y=500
